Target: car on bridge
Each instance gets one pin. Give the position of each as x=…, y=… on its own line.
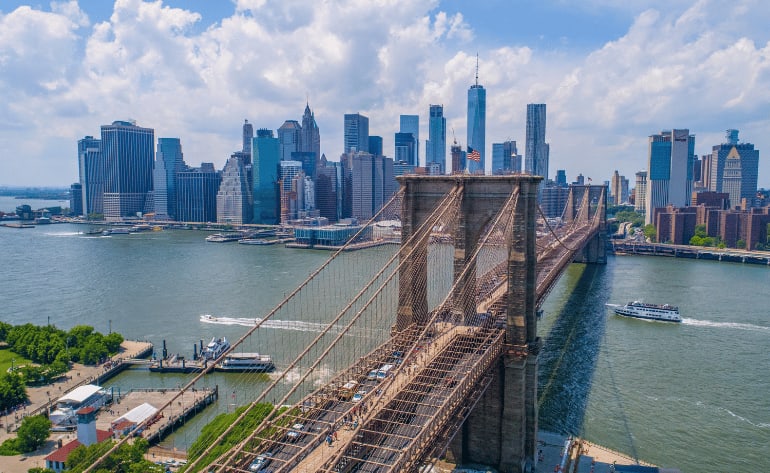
x=382, y=373
x=359, y=395
x=261, y=461
x=296, y=432
x=347, y=390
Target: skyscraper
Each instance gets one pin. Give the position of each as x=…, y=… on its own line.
x=356, y=129
x=404, y=148
x=369, y=183
x=505, y=158
x=561, y=177
x=743, y=173
x=328, y=192
x=265, y=159
x=411, y=124
x=292, y=193
x=289, y=138
x=477, y=117
x=732, y=177
x=92, y=175
x=458, y=158
x=669, y=179
x=618, y=188
x=375, y=145
x=168, y=163
x=234, y=198
x=310, y=135
x=248, y=135
x=128, y=156
x=536, y=149
x=435, y=147
x=640, y=191
x=197, y=194
x=76, y=199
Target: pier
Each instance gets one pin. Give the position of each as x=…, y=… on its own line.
x=166, y=421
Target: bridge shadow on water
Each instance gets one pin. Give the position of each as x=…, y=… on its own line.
x=571, y=351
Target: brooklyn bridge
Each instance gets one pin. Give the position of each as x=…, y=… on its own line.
x=423, y=350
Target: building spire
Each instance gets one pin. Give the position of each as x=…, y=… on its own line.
x=477, y=69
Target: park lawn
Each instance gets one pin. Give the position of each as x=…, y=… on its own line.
x=7, y=355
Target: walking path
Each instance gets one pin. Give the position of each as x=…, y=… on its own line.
x=40, y=398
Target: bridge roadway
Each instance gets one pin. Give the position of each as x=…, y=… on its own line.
x=553, y=256
x=394, y=422
x=399, y=418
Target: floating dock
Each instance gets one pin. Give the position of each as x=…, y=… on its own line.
x=178, y=365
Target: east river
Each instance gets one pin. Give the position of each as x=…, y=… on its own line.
x=694, y=395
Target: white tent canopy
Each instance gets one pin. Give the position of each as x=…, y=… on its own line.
x=138, y=414
x=79, y=395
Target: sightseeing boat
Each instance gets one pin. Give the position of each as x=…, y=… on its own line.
x=215, y=348
x=246, y=363
x=224, y=237
x=641, y=310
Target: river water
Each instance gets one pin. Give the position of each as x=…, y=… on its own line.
x=692, y=395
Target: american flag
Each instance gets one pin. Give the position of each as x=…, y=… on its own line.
x=473, y=154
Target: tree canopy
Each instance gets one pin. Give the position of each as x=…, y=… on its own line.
x=33, y=432
x=47, y=344
x=128, y=458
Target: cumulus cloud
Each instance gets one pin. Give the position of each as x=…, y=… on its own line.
x=703, y=65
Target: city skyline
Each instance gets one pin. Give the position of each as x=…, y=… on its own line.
x=73, y=66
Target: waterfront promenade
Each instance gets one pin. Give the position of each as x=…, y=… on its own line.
x=42, y=397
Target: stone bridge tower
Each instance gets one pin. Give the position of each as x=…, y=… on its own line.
x=502, y=429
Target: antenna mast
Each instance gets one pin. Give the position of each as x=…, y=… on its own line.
x=477, y=69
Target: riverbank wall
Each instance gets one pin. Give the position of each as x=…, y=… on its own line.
x=730, y=255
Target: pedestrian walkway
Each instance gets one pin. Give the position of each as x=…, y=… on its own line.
x=40, y=398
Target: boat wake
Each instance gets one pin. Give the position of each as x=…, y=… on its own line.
x=63, y=234
x=733, y=325
x=296, y=325
x=759, y=425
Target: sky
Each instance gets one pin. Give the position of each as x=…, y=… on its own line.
x=611, y=73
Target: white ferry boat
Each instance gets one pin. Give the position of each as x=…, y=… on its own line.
x=640, y=310
x=246, y=363
x=224, y=237
x=215, y=348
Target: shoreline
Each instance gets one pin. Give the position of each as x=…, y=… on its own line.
x=730, y=255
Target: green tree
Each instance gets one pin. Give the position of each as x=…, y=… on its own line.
x=93, y=350
x=113, y=341
x=79, y=334
x=700, y=230
x=4, y=329
x=632, y=216
x=128, y=458
x=740, y=244
x=40, y=470
x=12, y=390
x=33, y=432
x=650, y=232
